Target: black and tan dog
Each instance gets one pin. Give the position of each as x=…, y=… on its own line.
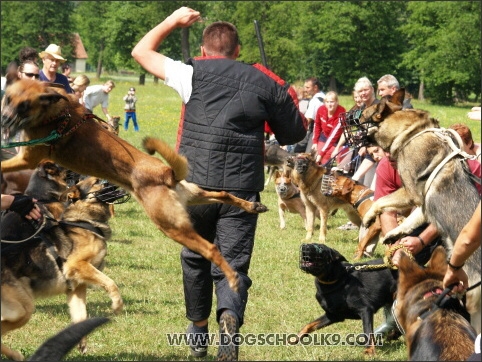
x=435, y=177
x=82, y=145
x=435, y=325
x=308, y=175
x=65, y=257
x=345, y=292
x=47, y=185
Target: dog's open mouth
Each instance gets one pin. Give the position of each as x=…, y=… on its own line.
x=112, y=194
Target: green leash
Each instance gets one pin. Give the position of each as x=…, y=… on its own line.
x=53, y=136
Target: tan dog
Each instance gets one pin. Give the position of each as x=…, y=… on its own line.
x=434, y=325
x=359, y=196
x=308, y=176
x=289, y=199
x=65, y=258
x=435, y=178
x=84, y=146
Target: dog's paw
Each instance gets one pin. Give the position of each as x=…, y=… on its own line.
x=117, y=306
x=390, y=239
x=259, y=208
x=369, y=219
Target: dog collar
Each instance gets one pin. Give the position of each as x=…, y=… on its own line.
x=362, y=200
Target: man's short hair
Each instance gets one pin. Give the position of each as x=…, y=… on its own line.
x=314, y=81
x=220, y=38
x=110, y=82
x=390, y=81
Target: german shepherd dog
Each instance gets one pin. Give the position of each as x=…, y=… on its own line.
x=434, y=324
x=82, y=145
x=307, y=174
x=359, y=196
x=48, y=185
x=345, y=292
x=66, y=257
x=435, y=178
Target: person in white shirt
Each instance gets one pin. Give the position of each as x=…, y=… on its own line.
x=98, y=94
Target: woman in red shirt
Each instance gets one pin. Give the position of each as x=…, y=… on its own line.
x=327, y=129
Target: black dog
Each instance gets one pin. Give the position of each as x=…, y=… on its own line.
x=346, y=291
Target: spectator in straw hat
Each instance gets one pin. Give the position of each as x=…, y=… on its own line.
x=52, y=58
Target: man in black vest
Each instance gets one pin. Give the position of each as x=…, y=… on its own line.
x=225, y=106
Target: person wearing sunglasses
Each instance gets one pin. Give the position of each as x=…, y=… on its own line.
x=28, y=70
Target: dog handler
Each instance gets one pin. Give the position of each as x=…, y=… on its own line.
x=225, y=106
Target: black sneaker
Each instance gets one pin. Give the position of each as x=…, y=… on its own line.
x=197, y=338
x=228, y=327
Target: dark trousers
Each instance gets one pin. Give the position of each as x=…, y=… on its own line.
x=232, y=230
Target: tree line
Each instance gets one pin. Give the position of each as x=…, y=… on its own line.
x=432, y=47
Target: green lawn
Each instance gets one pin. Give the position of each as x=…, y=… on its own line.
x=145, y=265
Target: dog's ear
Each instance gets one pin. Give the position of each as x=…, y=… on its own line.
x=51, y=97
x=277, y=174
x=409, y=271
x=388, y=105
x=338, y=255
x=287, y=172
x=398, y=97
x=72, y=194
x=393, y=103
x=438, y=261
x=41, y=170
x=347, y=186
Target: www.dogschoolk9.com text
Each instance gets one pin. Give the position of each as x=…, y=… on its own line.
x=275, y=339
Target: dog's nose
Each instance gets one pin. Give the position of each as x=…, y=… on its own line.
x=282, y=188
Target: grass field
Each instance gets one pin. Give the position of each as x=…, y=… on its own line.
x=145, y=265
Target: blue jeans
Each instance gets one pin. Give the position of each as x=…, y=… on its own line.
x=130, y=115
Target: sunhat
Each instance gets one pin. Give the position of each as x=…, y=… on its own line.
x=53, y=50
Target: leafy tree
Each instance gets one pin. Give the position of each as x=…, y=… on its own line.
x=36, y=25
x=91, y=23
x=445, y=48
x=348, y=40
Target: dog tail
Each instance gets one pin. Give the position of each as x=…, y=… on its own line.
x=55, y=348
x=177, y=162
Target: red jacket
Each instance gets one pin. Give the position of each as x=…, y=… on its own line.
x=327, y=129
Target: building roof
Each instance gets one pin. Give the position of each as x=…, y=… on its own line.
x=79, y=51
